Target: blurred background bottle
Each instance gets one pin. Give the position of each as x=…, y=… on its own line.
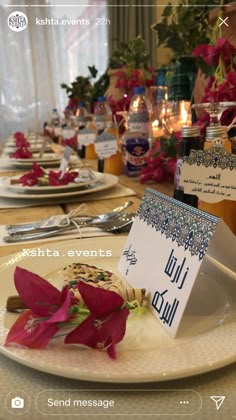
x=103, y=120
x=81, y=120
x=103, y=115
x=140, y=112
x=190, y=140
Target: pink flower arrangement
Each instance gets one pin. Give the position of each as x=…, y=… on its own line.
x=161, y=161
x=97, y=320
x=53, y=178
x=22, y=145
x=128, y=79
x=220, y=60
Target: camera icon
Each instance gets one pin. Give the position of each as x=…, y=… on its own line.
x=17, y=402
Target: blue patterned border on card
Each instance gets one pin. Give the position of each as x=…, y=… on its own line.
x=188, y=227
x=216, y=157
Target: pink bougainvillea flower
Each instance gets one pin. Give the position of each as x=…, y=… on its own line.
x=207, y=53
x=22, y=153
x=225, y=48
x=47, y=307
x=31, y=178
x=106, y=324
x=54, y=178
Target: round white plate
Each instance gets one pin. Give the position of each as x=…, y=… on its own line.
x=206, y=341
x=8, y=150
x=36, y=189
x=106, y=181
x=47, y=160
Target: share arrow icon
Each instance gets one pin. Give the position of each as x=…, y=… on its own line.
x=218, y=400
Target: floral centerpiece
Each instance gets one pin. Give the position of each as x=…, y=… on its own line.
x=218, y=61
x=80, y=90
x=129, y=64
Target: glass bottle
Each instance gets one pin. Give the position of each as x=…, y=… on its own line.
x=225, y=209
x=140, y=112
x=190, y=140
x=103, y=119
x=81, y=119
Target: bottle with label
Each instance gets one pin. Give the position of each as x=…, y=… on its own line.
x=114, y=164
x=136, y=140
x=216, y=136
x=135, y=146
x=103, y=115
x=81, y=120
x=55, y=124
x=55, y=118
x=103, y=119
x=140, y=112
x=190, y=140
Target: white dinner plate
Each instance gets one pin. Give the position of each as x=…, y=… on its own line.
x=105, y=182
x=206, y=341
x=47, y=160
x=36, y=189
x=8, y=150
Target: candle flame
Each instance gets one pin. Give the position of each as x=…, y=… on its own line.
x=184, y=112
x=155, y=123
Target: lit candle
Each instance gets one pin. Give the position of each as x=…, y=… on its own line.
x=156, y=130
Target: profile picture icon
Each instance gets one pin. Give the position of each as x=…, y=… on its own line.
x=17, y=21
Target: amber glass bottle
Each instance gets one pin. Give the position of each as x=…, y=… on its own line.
x=225, y=209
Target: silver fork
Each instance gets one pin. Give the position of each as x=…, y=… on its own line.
x=80, y=220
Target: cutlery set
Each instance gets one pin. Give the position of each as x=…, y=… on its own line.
x=114, y=221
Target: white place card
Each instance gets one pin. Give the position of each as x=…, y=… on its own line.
x=65, y=160
x=106, y=145
x=86, y=136
x=68, y=133
x=165, y=250
x=57, y=131
x=209, y=174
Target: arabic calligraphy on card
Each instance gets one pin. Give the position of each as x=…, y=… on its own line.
x=210, y=174
x=165, y=250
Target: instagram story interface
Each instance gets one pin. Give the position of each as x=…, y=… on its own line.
x=117, y=209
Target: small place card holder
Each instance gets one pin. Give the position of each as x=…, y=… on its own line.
x=65, y=160
x=166, y=247
x=106, y=145
x=68, y=133
x=86, y=136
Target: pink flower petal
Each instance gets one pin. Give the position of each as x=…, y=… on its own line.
x=63, y=312
x=100, y=333
x=29, y=334
x=99, y=301
x=37, y=293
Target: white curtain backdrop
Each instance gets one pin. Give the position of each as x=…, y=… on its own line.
x=35, y=61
